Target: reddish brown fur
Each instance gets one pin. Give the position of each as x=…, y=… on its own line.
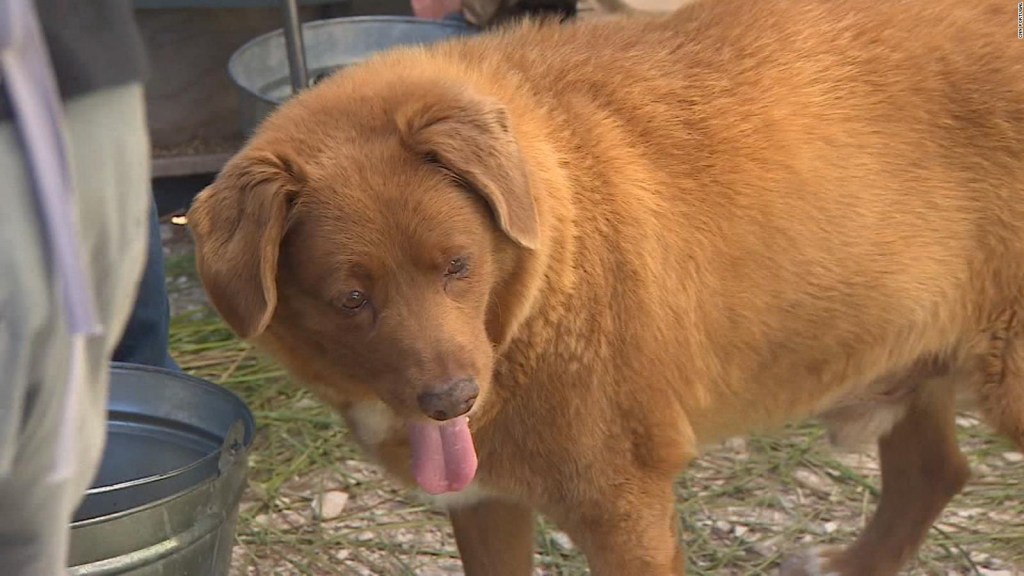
x=683, y=229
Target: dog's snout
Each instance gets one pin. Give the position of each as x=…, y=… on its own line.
x=449, y=400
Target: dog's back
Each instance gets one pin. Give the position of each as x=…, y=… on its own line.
x=774, y=167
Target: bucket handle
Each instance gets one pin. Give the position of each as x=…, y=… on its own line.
x=233, y=446
x=295, y=46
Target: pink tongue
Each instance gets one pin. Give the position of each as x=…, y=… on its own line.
x=443, y=457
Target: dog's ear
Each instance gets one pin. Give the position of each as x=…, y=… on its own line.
x=470, y=138
x=238, y=223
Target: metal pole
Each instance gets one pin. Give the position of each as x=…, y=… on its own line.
x=296, y=47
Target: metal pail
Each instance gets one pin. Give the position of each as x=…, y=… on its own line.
x=165, y=501
x=260, y=68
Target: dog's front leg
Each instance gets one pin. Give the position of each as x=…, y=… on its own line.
x=495, y=537
x=632, y=528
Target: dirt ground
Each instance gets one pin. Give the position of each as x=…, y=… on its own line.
x=314, y=507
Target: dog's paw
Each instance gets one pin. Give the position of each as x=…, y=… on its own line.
x=816, y=561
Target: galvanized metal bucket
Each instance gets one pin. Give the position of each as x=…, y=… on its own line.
x=260, y=69
x=166, y=499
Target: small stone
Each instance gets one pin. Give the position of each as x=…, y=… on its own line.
x=966, y=421
x=830, y=527
x=768, y=546
x=740, y=530
x=284, y=520
x=1013, y=457
x=723, y=526
x=291, y=519
x=736, y=445
x=811, y=481
x=306, y=403
x=981, y=559
x=995, y=564
x=968, y=512
x=441, y=569
x=342, y=555
x=330, y=505
x=562, y=541
x=359, y=569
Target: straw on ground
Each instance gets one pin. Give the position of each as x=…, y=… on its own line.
x=743, y=505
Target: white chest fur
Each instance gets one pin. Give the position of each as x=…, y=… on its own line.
x=372, y=422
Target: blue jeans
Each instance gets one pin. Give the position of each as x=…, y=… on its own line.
x=145, y=339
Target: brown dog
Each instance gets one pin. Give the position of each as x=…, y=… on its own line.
x=543, y=267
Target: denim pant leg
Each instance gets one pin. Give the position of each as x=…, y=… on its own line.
x=145, y=337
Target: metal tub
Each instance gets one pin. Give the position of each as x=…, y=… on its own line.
x=165, y=501
x=260, y=68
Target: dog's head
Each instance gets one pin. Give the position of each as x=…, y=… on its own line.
x=364, y=235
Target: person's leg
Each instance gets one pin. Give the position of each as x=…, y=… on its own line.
x=42, y=479
x=435, y=9
x=145, y=338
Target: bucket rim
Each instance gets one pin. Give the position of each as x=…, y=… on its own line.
x=317, y=24
x=246, y=412
x=245, y=416
x=105, y=518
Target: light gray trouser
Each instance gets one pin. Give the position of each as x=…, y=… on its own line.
x=42, y=475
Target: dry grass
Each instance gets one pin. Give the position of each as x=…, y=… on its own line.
x=743, y=504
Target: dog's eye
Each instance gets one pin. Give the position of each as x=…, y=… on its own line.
x=354, y=301
x=456, y=267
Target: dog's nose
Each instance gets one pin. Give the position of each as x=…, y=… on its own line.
x=449, y=400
